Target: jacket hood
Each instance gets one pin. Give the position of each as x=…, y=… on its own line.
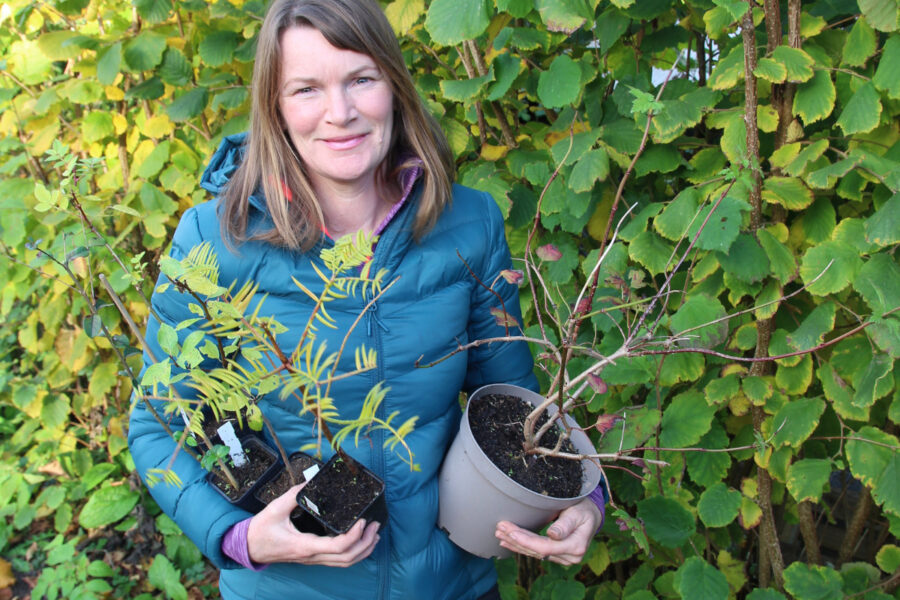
x=222, y=166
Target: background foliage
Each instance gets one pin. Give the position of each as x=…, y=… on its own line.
x=777, y=122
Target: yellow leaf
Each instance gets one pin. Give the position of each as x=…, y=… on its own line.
x=493, y=153
x=734, y=368
x=751, y=513
x=6, y=575
x=178, y=42
x=779, y=231
x=114, y=93
x=597, y=224
x=555, y=136
x=739, y=405
x=748, y=487
x=733, y=570
x=159, y=126
x=120, y=123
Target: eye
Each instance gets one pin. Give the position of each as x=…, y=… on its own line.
x=303, y=90
x=362, y=80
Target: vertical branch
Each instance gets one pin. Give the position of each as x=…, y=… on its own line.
x=808, y=531
x=856, y=526
x=769, y=548
x=470, y=71
x=508, y=137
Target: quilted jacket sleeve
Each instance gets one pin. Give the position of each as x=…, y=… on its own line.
x=500, y=362
x=201, y=513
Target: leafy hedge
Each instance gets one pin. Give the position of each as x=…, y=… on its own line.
x=757, y=147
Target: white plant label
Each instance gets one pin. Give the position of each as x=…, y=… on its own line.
x=311, y=505
x=310, y=472
x=235, y=450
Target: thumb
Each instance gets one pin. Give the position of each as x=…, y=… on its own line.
x=562, y=528
x=287, y=502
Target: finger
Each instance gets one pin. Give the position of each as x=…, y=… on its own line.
x=359, y=551
x=338, y=544
x=539, y=546
x=284, y=504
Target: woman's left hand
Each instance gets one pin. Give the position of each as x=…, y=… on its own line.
x=567, y=538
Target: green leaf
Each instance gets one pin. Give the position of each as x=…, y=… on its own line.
x=109, y=64
x=107, y=505
x=735, y=8
x=698, y=580
x=96, y=126
x=886, y=333
x=651, y=251
x=860, y=43
x=163, y=575
x=157, y=373
x=796, y=62
x=814, y=100
x=819, y=221
x=881, y=14
x=729, y=70
x=218, y=48
x=808, y=478
x=878, y=282
x=175, y=68
x=810, y=153
x=781, y=259
x=590, y=168
x=722, y=228
x=666, y=521
x=609, y=27
x=690, y=320
x=154, y=11
x=757, y=389
x=563, y=15
x=707, y=468
x=794, y=379
x=888, y=558
x=877, y=466
x=144, y=51
x=886, y=78
x=766, y=593
x=464, y=90
x=863, y=112
x=796, y=421
x=745, y=260
x=874, y=382
x=680, y=367
x=883, y=227
x=840, y=394
x=453, y=21
x=813, y=581
x=230, y=99
x=789, y=192
x=150, y=89
x=559, y=85
x=54, y=411
x=812, y=330
x=770, y=70
x=678, y=215
x=188, y=105
x=718, y=505
x=829, y=267
x=403, y=14
x=506, y=68
x=685, y=420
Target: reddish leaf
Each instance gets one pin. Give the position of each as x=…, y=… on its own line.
x=549, y=253
x=606, y=422
x=513, y=276
x=503, y=318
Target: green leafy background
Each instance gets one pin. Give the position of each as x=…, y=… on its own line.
x=798, y=251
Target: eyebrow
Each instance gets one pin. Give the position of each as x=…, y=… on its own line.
x=354, y=73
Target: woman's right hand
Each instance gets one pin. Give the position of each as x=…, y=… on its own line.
x=272, y=538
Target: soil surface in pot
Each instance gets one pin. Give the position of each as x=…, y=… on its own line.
x=341, y=495
x=282, y=483
x=211, y=425
x=497, y=423
x=258, y=462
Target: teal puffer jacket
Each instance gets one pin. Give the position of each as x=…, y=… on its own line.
x=435, y=305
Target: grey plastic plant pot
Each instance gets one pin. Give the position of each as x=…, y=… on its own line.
x=475, y=495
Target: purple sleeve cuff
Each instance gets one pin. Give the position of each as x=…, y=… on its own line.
x=598, y=497
x=234, y=546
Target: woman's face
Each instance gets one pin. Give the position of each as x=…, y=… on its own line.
x=337, y=106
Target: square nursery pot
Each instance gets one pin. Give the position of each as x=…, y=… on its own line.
x=475, y=495
x=281, y=482
x=342, y=492
x=263, y=463
x=211, y=425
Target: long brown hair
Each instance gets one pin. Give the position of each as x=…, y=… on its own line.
x=270, y=161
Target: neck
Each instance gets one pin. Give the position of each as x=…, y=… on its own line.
x=352, y=208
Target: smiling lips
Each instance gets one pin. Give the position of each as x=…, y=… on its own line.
x=345, y=143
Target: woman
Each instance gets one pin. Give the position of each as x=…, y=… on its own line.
x=340, y=142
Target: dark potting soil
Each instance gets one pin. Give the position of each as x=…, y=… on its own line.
x=341, y=495
x=211, y=425
x=258, y=462
x=497, y=423
x=282, y=483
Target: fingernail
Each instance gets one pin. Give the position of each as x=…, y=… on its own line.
x=514, y=537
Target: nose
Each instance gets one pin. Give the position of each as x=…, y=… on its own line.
x=341, y=109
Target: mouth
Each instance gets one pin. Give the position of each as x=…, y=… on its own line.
x=346, y=142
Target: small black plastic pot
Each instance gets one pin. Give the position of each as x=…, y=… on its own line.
x=333, y=500
x=254, y=448
x=300, y=519
x=240, y=430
